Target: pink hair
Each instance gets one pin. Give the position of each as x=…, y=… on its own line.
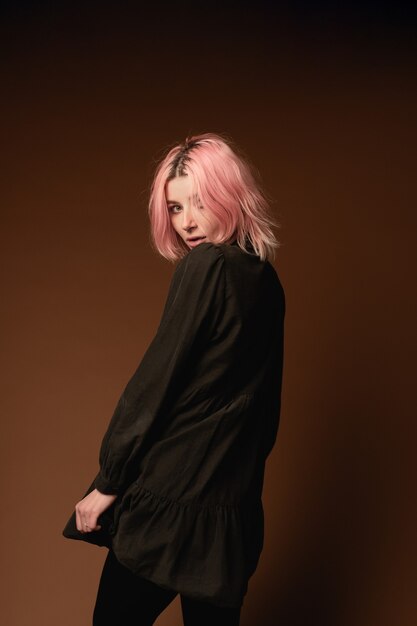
x=226, y=187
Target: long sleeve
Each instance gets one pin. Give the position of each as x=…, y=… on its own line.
x=194, y=302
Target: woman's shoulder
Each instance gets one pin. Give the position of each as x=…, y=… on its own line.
x=205, y=253
x=206, y=249
x=206, y=259
x=210, y=250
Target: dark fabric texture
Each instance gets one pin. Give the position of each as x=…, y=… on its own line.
x=185, y=449
x=126, y=599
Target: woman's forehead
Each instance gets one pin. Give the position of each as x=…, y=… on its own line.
x=180, y=188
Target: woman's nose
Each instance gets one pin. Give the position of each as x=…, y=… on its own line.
x=187, y=220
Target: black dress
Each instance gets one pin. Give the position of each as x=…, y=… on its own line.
x=185, y=449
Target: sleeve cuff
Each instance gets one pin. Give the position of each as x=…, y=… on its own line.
x=104, y=486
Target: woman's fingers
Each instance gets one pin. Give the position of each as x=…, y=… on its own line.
x=91, y=523
x=78, y=520
x=87, y=512
x=86, y=523
x=84, y=518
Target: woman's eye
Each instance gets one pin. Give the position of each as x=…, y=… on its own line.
x=173, y=207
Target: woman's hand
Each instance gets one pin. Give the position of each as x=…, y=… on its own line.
x=89, y=508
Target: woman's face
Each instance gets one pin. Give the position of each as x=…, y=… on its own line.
x=189, y=219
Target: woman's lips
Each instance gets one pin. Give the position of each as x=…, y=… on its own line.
x=195, y=242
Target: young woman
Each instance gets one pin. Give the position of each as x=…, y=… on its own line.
x=182, y=461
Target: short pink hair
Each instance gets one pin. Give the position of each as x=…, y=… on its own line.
x=226, y=187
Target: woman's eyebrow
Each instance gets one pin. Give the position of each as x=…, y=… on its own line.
x=176, y=201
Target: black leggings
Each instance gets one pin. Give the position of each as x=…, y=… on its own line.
x=126, y=599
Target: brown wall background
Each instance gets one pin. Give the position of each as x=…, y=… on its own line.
x=323, y=102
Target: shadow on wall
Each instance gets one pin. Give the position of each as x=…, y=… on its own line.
x=328, y=572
